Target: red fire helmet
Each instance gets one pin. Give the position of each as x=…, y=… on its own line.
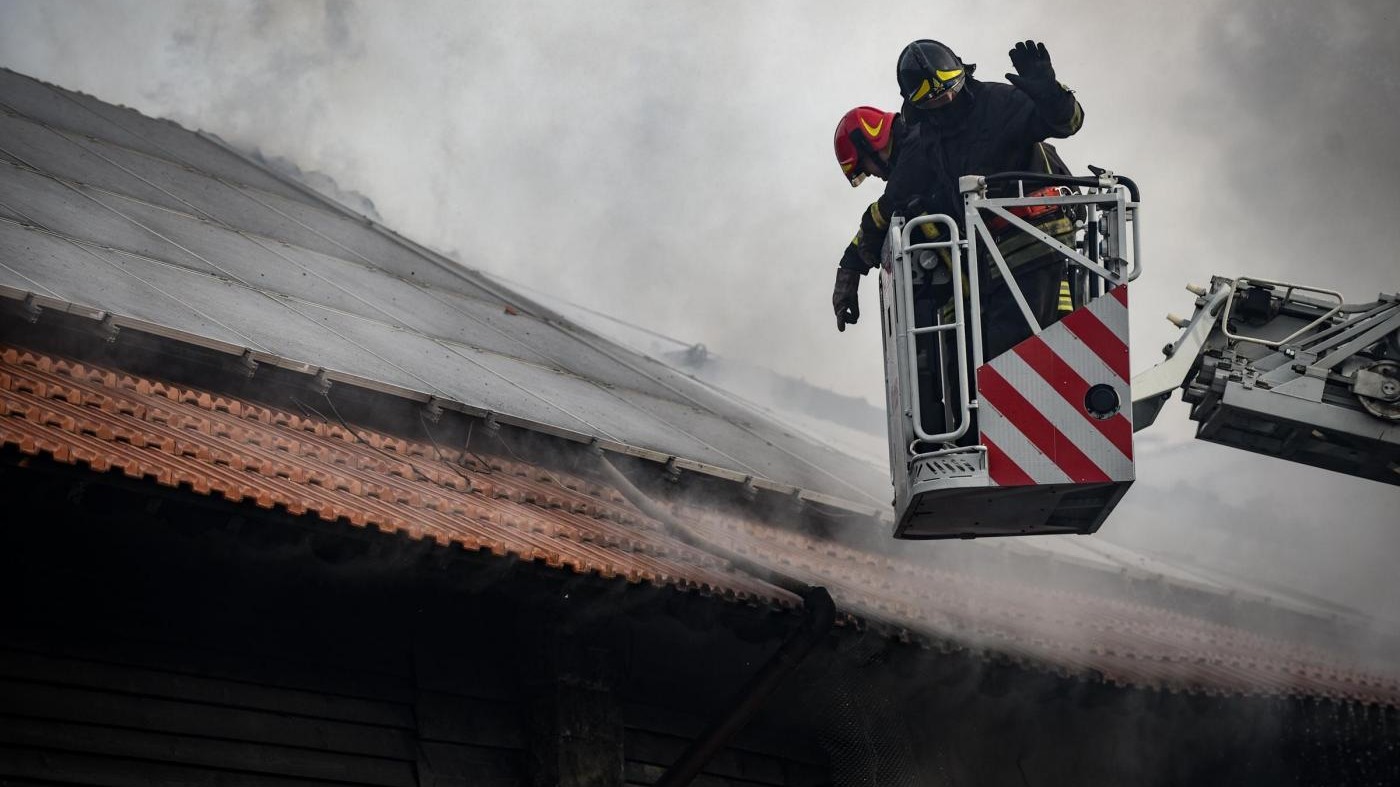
x=862, y=130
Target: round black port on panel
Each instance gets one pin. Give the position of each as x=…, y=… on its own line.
x=1102, y=401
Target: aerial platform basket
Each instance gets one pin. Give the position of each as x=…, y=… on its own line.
x=1038, y=439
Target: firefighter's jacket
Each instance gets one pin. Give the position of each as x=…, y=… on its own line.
x=992, y=127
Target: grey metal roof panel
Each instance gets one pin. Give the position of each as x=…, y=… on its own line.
x=342, y=236
x=129, y=229
x=58, y=108
x=104, y=280
x=171, y=185
x=264, y=263
x=79, y=212
x=62, y=156
x=466, y=319
x=86, y=115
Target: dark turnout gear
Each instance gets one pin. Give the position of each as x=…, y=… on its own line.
x=843, y=298
x=992, y=127
x=981, y=129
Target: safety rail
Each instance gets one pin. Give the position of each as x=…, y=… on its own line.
x=1243, y=283
x=904, y=266
x=1106, y=246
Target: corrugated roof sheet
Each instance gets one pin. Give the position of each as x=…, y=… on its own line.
x=213, y=444
x=105, y=208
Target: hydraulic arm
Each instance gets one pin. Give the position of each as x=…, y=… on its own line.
x=1287, y=370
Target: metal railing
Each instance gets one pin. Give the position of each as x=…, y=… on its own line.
x=958, y=327
x=1243, y=283
x=1106, y=246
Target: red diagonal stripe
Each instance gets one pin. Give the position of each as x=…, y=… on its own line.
x=1121, y=294
x=1032, y=423
x=1100, y=338
x=1001, y=469
x=1062, y=377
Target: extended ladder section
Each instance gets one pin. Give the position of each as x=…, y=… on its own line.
x=1290, y=371
x=1003, y=420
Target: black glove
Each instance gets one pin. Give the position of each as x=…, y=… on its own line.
x=843, y=298
x=1032, y=63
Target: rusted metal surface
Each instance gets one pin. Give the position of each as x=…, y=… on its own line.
x=216, y=445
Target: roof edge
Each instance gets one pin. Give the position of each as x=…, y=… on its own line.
x=31, y=306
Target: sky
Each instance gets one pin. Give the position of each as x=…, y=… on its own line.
x=671, y=163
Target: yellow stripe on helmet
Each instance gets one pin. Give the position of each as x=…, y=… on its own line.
x=938, y=83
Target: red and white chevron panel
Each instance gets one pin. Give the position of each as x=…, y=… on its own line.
x=1033, y=417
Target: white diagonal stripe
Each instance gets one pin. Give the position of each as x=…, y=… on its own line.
x=1017, y=447
x=1079, y=356
x=1112, y=314
x=1066, y=417
x=1086, y=363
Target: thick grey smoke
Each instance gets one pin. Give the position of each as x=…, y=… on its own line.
x=671, y=163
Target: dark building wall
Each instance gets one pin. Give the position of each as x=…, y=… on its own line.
x=173, y=639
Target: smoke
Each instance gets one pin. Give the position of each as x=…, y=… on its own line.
x=671, y=164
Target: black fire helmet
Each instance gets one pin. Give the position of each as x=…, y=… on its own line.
x=930, y=74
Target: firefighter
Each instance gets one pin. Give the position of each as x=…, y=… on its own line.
x=867, y=143
x=956, y=125
x=966, y=126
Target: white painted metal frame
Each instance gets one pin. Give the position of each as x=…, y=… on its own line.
x=1113, y=219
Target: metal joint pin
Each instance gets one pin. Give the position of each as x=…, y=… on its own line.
x=750, y=491
x=797, y=499
x=671, y=471
x=31, y=309
x=432, y=409
x=108, y=329
x=322, y=383
x=492, y=423
x=249, y=365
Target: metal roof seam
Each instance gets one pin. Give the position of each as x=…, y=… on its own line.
x=447, y=344
x=80, y=138
x=35, y=227
x=573, y=329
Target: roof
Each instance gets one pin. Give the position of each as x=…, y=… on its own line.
x=144, y=225
x=175, y=233
x=220, y=445
x=140, y=226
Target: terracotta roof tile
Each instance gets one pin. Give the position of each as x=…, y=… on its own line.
x=214, y=445
x=210, y=444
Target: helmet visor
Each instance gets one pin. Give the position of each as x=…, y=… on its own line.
x=938, y=89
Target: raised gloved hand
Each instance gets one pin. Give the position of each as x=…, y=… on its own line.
x=844, y=300
x=1033, y=69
